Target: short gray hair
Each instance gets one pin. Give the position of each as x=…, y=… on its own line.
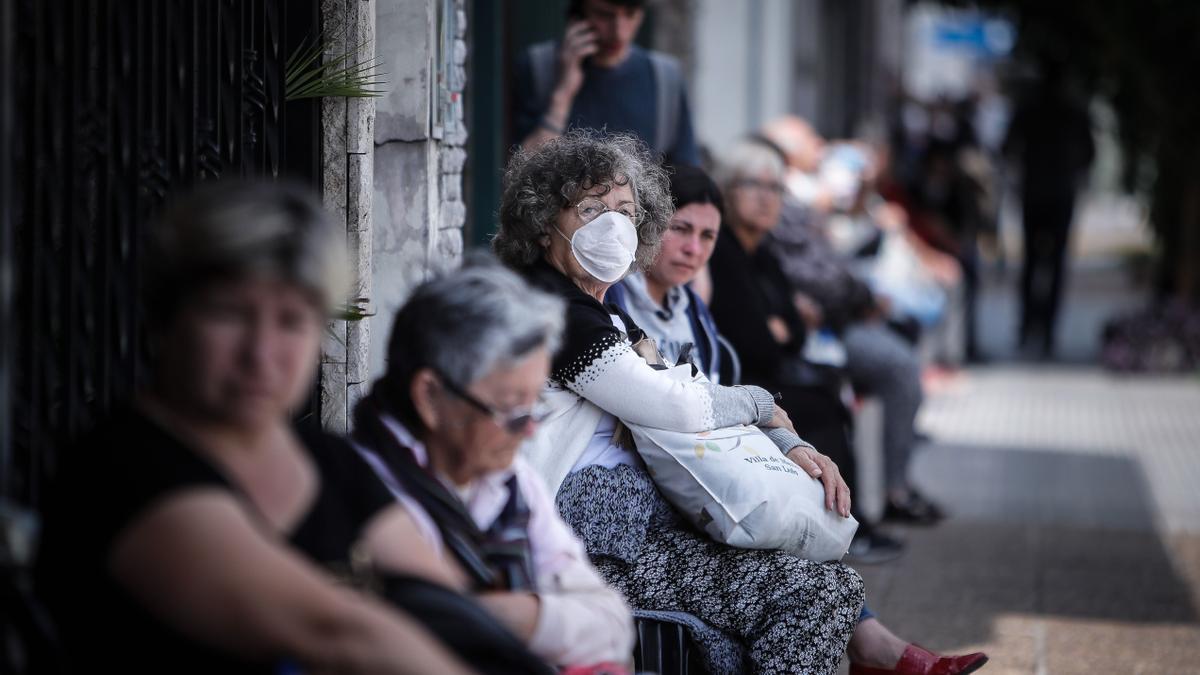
x=745, y=158
x=539, y=183
x=465, y=324
x=236, y=228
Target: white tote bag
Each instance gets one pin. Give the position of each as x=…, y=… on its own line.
x=737, y=487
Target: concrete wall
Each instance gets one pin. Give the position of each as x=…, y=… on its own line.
x=417, y=193
x=743, y=73
x=346, y=159
x=829, y=61
x=393, y=169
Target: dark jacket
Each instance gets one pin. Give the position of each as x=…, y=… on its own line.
x=748, y=288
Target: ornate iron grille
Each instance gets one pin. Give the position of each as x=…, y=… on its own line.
x=115, y=103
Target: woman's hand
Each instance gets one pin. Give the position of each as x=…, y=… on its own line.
x=809, y=310
x=393, y=543
x=837, y=493
x=781, y=420
x=779, y=330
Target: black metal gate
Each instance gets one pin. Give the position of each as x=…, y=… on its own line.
x=112, y=104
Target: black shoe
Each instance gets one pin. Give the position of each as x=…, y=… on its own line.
x=914, y=510
x=872, y=547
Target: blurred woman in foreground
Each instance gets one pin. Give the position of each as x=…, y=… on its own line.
x=196, y=531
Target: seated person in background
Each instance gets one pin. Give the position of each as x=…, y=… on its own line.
x=753, y=307
x=468, y=356
x=188, y=532
x=878, y=360
x=575, y=214
x=872, y=238
x=661, y=303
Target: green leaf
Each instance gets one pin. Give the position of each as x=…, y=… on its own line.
x=355, y=310
x=310, y=74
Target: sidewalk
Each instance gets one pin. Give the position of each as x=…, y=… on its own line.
x=1073, y=544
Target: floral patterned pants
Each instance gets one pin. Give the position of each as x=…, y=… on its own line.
x=792, y=615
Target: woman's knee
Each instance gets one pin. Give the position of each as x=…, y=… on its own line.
x=856, y=586
x=903, y=381
x=833, y=584
x=852, y=589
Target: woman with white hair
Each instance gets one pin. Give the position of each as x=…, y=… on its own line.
x=576, y=215
x=467, y=359
x=877, y=358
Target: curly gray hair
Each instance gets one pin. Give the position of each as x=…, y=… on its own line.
x=538, y=184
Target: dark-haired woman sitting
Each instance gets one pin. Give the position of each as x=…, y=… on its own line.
x=662, y=303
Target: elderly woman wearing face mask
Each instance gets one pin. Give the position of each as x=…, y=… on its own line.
x=467, y=359
x=196, y=530
x=576, y=215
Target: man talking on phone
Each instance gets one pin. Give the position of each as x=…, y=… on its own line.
x=596, y=77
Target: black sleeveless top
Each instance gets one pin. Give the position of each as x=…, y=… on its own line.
x=111, y=477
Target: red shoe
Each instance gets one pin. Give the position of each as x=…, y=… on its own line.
x=920, y=661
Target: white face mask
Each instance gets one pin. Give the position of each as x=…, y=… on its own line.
x=605, y=247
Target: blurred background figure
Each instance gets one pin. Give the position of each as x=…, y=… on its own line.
x=595, y=77
x=754, y=306
x=876, y=356
x=1051, y=140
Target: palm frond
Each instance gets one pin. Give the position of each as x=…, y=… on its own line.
x=354, y=310
x=308, y=75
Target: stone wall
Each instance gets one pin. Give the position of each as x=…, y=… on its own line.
x=396, y=172
x=347, y=165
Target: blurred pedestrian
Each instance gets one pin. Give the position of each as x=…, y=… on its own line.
x=596, y=77
x=1051, y=138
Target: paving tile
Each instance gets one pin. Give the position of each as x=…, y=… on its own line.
x=1073, y=544
x=1121, y=647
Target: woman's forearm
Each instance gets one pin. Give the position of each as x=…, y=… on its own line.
x=367, y=637
x=517, y=611
x=624, y=385
x=198, y=563
x=553, y=122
